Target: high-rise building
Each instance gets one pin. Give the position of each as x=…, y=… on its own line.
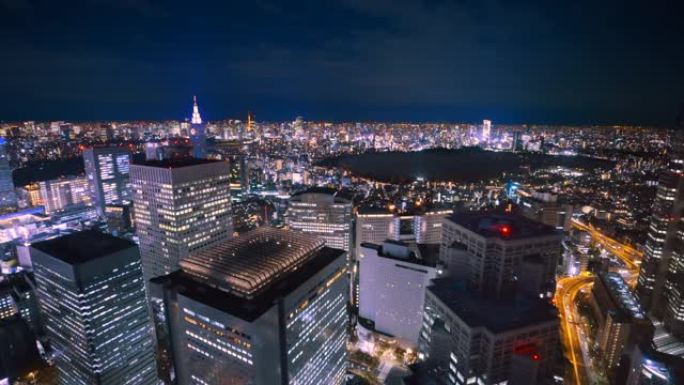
x=107, y=170
x=321, y=213
x=181, y=206
x=198, y=135
x=477, y=339
x=18, y=297
x=648, y=367
x=8, y=198
x=486, y=323
x=486, y=129
x=620, y=322
x=61, y=194
x=267, y=307
x=498, y=253
x=392, y=283
x=92, y=296
x=661, y=277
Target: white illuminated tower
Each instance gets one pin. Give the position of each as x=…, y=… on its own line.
x=486, y=129
x=198, y=136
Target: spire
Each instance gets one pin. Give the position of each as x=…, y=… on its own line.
x=196, y=118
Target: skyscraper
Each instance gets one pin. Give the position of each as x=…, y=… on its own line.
x=498, y=253
x=198, y=136
x=487, y=324
x=268, y=307
x=181, y=206
x=392, y=282
x=8, y=198
x=107, y=170
x=486, y=129
x=661, y=278
x=321, y=213
x=91, y=294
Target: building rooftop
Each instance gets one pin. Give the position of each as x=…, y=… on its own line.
x=175, y=162
x=83, y=246
x=493, y=314
x=249, y=308
x=251, y=262
x=503, y=226
x=621, y=293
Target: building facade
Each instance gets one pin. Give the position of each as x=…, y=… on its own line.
x=660, y=285
x=92, y=296
x=62, y=194
x=180, y=206
x=107, y=170
x=392, y=283
x=8, y=197
x=268, y=307
x=320, y=213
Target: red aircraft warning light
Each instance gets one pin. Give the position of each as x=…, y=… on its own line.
x=505, y=230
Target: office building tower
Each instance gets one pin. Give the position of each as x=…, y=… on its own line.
x=477, y=339
x=649, y=367
x=107, y=171
x=18, y=297
x=181, y=206
x=319, y=212
x=486, y=323
x=500, y=253
x=486, y=129
x=198, y=135
x=660, y=286
x=374, y=225
x=8, y=197
x=545, y=207
x=268, y=307
x=92, y=296
x=63, y=194
x=392, y=282
x=621, y=323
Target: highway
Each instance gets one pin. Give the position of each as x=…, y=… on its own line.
x=630, y=256
x=567, y=289
x=566, y=292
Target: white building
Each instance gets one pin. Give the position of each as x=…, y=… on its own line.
x=392, y=283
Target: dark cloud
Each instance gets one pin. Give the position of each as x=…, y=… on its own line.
x=517, y=61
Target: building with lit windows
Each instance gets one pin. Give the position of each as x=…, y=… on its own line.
x=375, y=225
x=92, y=297
x=268, y=307
x=490, y=322
x=621, y=323
x=497, y=252
x=8, y=198
x=319, y=212
x=18, y=297
x=392, y=282
x=660, y=285
x=648, y=367
x=181, y=206
x=107, y=170
x=61, y=194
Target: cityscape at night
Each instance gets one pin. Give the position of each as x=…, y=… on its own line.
x=411, y=192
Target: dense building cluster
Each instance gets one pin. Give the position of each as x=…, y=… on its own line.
x=247, y=253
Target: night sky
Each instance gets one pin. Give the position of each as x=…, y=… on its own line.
x=552, y=61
